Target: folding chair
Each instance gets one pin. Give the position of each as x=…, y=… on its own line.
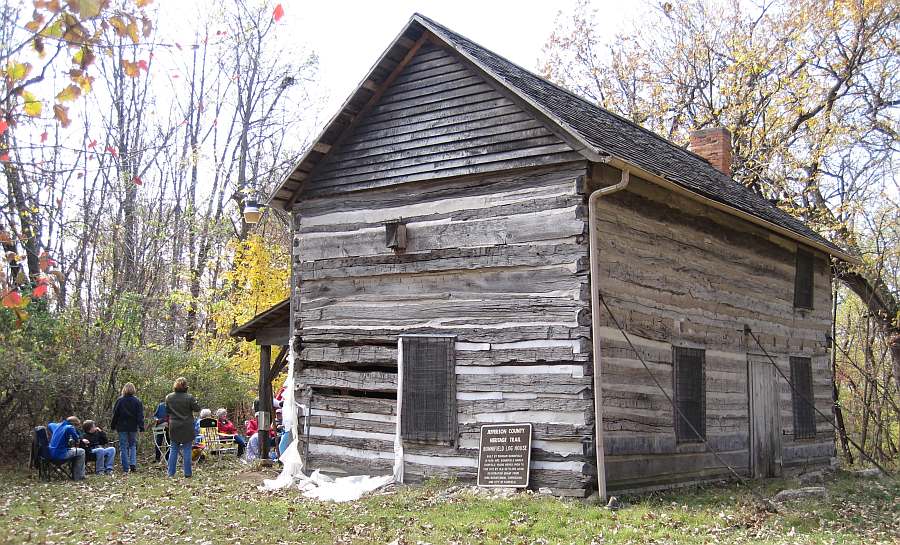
x=161, y=440
x=213, y=443
x=40, y=458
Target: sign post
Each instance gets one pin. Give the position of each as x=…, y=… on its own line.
x=504, y=455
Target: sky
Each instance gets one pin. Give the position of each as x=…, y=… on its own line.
x=349, y=36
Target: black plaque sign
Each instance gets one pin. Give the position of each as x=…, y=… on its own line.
x=504, y=455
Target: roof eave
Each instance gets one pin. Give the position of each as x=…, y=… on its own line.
x=246, y=330
x=678, y=188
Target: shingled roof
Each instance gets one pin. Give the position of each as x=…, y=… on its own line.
x=596, y=132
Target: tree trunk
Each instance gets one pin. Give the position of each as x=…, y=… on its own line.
x=29, y=224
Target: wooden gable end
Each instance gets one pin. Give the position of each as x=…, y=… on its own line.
x=438, y=118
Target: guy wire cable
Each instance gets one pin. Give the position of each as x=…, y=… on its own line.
x=884, y=472
x=765, y=501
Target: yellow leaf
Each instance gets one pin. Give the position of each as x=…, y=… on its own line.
x=133, y=31
x=71, y=92
x=83, y=57
x=61, y=113
x=17, y=71
x=55, y=30
x=84, y=81
x=132, y=69
x=88, y=9
x=143, y=3
x=118, y=25
x=33, y=106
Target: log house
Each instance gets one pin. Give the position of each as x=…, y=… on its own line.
x=466, y=215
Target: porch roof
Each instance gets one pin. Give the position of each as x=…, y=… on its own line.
x=270, y=327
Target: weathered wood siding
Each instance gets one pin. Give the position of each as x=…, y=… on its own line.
x=499, y=261
x=678, y=273
x=437, y=119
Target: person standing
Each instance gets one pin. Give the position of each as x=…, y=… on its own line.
x=95, y=441
x=64, y=434
x=181, y=406
x=128, y=420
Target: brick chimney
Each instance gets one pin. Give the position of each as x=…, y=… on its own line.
x=714, y=145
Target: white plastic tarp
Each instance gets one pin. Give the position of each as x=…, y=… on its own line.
x=317, y=486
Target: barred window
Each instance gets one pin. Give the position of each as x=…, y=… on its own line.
x=428, y=406
x=803, y=280
x=690, y=394
x=802, y=398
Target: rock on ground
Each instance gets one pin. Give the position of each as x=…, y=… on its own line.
x=871, y=473
x=800, y=493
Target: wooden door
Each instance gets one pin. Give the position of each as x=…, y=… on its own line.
x=765, y=417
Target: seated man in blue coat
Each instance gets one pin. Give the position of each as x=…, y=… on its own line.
x=64, y=434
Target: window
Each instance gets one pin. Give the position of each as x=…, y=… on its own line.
x=690, y=394
x=428, y=405
x=803, y=281
x=802, y=398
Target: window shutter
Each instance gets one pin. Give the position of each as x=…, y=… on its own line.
x=429, y=390
x=803, y=281
x=802, y=398
x=690, y=394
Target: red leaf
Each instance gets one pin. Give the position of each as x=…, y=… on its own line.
x=112, y=150
x=92, y=144
x=137, y=180
x=3, y=126
x=40, y=290
x=12, y=300
x=278, y=13
x=5, y=157
x=143, y=64
x=43, y=137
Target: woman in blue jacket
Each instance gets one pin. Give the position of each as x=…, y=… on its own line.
x=128, y=420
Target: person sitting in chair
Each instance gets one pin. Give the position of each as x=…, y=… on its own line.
x=227, y=428
x=64, y=435
x=96, y=446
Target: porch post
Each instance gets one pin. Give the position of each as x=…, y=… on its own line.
x=265, y=402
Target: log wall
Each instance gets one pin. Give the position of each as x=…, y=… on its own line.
x=677, y=273
x=497, y=260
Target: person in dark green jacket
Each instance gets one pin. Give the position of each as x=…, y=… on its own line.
x=181, y=406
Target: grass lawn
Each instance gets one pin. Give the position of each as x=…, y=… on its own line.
x=221, y=505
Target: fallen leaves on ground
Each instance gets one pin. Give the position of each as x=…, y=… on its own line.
x=221, y=504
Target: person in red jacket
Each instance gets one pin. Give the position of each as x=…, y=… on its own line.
x=227, y=427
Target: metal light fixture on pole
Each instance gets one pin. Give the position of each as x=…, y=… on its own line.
x=252, y=212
